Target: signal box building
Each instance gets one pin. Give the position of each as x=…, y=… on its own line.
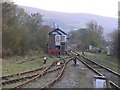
x=57, y=42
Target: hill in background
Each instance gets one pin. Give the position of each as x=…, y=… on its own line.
x=71, y=21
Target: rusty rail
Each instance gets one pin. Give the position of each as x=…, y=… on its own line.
x=6, y=78
x=39, y=75
x=115, y=73
x=29, y=71
x=57, y=78
x=26, y=77
x=21, y=73
x=98, y=73
x=91, y=67
x=112, y=71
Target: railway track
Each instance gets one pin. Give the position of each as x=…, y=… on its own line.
x=49, y=69
x=101, y=70
x=111, y=75
x=51, y=74
x=57, y=77
x=27, y=75
x=6, y=77
x=17, y=75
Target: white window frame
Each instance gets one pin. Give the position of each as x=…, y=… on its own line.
x=64, y=38
x=57, y=40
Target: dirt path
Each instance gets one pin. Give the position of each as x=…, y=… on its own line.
x=76, y=77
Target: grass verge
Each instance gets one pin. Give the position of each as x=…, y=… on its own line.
x=108, y=61
x=11, y=66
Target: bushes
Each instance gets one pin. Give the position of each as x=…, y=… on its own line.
x=22, y=32
x=6, y=52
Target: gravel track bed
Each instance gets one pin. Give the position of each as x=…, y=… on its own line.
x=28, y=74
x=78, y=76
x=21, y=81
x=106, y=62
x=110, y=76
x=23, y=75
x=107, y=74
x=40, y=82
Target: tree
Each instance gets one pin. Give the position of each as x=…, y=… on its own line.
x=114, y=42
x=91, y=35
x=37, y=34
x=34, y=30
x=12, y=32
x=96, y=32
x=23, y=32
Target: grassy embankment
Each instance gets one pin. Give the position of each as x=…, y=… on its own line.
x=104, y=59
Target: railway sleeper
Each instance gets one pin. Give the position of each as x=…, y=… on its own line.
x=57, y=77
x=29, y=71
x=7, y=76
x=24, y=78
x=103, y=66
x=114, y=86
x=38, y=76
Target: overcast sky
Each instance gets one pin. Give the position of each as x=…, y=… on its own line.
x=98, y=7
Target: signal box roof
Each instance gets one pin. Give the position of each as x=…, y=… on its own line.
x=57, y=32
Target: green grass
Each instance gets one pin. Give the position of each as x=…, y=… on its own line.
x=11, y=66
x=104, y=59
x=84, y=81
x=63, y=56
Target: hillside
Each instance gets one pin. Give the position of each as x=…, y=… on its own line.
x=69, y=21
